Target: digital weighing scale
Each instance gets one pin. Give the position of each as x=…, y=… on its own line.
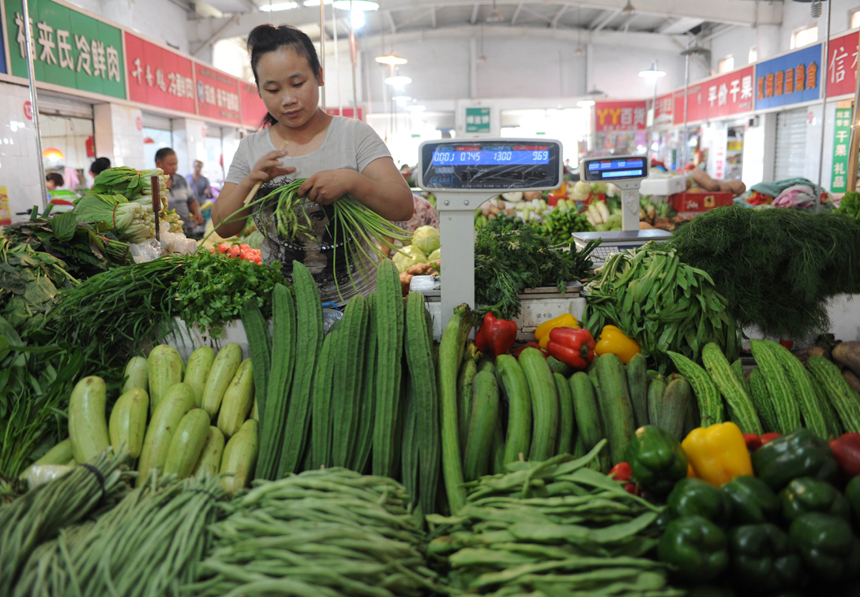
x=465, y=173
x=627, y=173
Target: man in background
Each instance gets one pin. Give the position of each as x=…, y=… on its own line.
x=98, y=166
x=199, y=183
x=179, y=196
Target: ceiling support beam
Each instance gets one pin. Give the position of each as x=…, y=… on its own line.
x=390, y=20
x=215, y=36
x=602, y=22
x=557, y=17
x=516, y=14
x=474, y=18
x=433, y=15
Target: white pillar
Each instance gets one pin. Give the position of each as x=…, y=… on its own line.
x=189, y=143
x=119, y=135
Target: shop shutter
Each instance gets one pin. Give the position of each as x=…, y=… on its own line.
x=153, y=121
x=55, y=106
x=790, y=144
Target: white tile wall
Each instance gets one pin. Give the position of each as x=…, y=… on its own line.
x=19, y=163
x=117, y=137
x=189, y=142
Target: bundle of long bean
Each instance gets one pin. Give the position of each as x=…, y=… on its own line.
x=147, y=546
x=40, y=514
x=551, y=528
x=322, y=533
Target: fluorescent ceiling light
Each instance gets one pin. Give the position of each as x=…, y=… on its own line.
x=316, y=2
x=356, y=19
x=416, y=108
x=391, y=59
x=364, y=5
x=402, y=99
x=398, y=81
x=279, y=6
x=586, y=103
x=652, y=73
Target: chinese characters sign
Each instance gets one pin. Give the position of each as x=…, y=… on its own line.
x=69, y=48
x=158, y=77
x=841, y=138
x=725, y=95
x=253, y=108
x=789, y=79
x=619, y=116
x=663, y=110
x=477, y=120
x=217, y=94
x=842, y=65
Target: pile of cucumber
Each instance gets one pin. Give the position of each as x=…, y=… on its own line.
x=171, y=416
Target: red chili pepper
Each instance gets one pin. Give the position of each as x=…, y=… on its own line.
x=787, y=344
x=631, y=489
x=621, y=472
x=846, y=449
x=519, y=350
x=753, y=441
x=769, y=437
x=496, y=336
x=572, y=347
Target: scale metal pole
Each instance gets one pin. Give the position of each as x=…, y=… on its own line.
x=336, y=62
x=34, y=102
x=322, y=49
x=353, y=55
x=686, y=99
x=854, y=144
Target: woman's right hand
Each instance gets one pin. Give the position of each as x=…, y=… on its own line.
x=269, y=167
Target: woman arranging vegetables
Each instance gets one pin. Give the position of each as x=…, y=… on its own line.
x=337, y=157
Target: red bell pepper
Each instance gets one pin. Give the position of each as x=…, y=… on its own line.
x=517, y=351
x=574, y=348
x=769, y=437
x=846, y=449
x=753, y=441
x=496, y=336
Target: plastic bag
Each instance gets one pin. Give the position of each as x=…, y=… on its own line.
x=39, y=474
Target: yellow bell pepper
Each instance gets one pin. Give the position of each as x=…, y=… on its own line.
x=718, y=453
x=565, y=320
x=613, y=341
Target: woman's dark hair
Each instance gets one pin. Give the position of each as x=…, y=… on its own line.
x=268, y=38
x=56, y=177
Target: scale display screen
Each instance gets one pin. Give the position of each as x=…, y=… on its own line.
x=490, y=164
x=609, y=169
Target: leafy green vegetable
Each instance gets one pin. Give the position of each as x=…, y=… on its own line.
x=509, y=261
x=850, y=204
x=776, y=267
x=560, y=225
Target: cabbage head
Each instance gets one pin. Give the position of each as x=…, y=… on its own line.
x=427, y=239
x=407, y=257
x=435, y=255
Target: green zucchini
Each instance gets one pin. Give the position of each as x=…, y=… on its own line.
x=197, y=370
x=210, y=455
x=164, y=369
x=178, y=400
x=238, y=400
x=136, y=375
x=656, y=390
x=450, y=355
x=128, y=421
x=59, y=454
x=239, y=458
x=187, y=443
x=559, y=367
x=677, y=401
x=544, y=399
x=482, y=427
x=637, y=382
x=586, y=410
x=615, y=408
x=566, y=419
x=88, y=429
x=513, y=384
x=223, y=370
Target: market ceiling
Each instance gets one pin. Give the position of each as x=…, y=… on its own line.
x=458, y=18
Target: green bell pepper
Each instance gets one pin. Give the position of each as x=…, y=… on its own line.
x=752, y=500
x=852, y=493
x=696, y=547
x=799, y=454
x=811, y=495
x=763, y=558
x=694, y=497
x=657, y=460
x=827, y=545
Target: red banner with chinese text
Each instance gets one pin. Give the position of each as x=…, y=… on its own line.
x=253, y=108
x=217, y=94
x=842, y=65
x=725, y=95
x=620, y=116
x=157, y=76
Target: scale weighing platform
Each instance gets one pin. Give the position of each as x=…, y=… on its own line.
x=465, y=173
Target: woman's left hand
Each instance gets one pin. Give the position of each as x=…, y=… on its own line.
x=328, y=186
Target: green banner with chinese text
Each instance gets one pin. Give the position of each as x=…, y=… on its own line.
x=841, y=138
x=69, y=48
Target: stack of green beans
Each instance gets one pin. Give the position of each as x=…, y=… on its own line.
x=40, y=514
x=322, y=533
x=147, y=546
x=551, y=528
